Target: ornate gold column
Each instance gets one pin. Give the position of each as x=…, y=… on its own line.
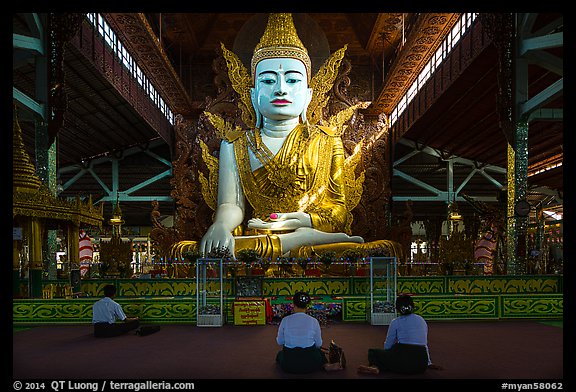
x=501, y=28
x=36, y=260
x=16, y=252
x=72, y=234
x=510, y=220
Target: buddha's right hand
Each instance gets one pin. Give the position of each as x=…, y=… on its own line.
x=217, y=236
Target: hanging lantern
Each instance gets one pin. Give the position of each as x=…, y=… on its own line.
x=454, y=212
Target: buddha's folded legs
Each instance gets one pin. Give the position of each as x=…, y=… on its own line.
x=392, y=248
x=269, y=246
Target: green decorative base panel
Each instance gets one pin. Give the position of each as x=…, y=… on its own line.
x=173, y=310
x=436, y=298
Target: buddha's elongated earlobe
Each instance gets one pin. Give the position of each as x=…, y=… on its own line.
x=308, y=100
x=258, y=124
x=255, y=106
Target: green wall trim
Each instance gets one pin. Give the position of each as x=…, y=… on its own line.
x=436, y=298
x=174, y=310
x=470, y=307
x=523, y=306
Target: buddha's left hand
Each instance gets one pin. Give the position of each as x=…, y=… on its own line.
x=282, y=221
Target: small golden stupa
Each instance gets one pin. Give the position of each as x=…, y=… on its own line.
x=34, y=209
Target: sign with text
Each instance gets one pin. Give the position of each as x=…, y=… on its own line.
x=249, y=313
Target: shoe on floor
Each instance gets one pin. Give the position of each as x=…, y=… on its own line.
x=330, y=367
x=363, y=369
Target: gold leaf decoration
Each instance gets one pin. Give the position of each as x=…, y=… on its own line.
x=209, y=186
x=241, y=83
x=337, y=121
x=354, y=185
x=321, y=83
x=224, y=129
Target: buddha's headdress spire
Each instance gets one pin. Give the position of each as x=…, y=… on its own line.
x=280, y=39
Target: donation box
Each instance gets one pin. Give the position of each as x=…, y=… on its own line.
x=250, y=312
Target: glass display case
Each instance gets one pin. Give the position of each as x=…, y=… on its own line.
x=209, y=293
x=383, y=290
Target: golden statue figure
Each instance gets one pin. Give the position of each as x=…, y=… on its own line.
x=290, y=169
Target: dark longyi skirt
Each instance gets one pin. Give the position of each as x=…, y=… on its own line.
x=401, y=358
x=301, y=360
x=105, y=330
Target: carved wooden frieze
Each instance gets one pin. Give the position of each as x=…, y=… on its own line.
x=137, y=36
x=428, y=33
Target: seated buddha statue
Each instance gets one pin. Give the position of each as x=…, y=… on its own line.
x=289, y=172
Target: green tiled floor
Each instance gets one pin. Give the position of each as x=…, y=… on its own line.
x=17, y=329
x=554, y=323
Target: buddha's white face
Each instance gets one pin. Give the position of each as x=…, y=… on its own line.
x=281, y=88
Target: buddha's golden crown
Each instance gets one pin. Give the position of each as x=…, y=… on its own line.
x=280, y=39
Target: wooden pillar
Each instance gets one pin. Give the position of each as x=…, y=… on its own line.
x=36, y=259
x=72, y=235
x=16, y=249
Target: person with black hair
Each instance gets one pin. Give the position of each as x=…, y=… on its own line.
x=406, y=346
x=106, y=311
x=300, y=336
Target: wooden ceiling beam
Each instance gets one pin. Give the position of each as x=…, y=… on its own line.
x=137, y=36
x=425, y=37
